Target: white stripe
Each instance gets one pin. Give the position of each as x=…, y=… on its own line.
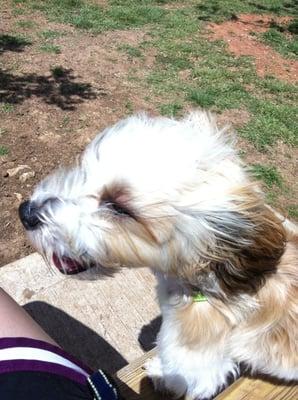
x=29, y=353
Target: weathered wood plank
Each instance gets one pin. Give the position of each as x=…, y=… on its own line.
x=134, y=385
x=257, y=389
x=133, y=382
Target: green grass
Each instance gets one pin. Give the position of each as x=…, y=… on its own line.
x=26, y=24
x=219, y=84
x=50, y=48
x=171, y=109
x=268, y=174
x=293, y=26
x=270, y=85
x=129, y=107
x=13, y=42
x=203, y=97
x=58, y=71
x=50, y=34
x=87, y=15
x=223, y=96
x=189, y=69
x=285, y=45
x=220, y=81
x=220, y=10
x=272, y=180
x=271, y=122
x=7, y=107
x=65, y=121
x=131, y=51
x=3, y=131
x=122, y=14
x=18, y=10
x=3, y=150
x=293, y=211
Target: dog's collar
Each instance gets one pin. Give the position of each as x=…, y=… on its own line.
x=199, y=297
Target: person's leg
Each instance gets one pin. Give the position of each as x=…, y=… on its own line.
x=15, y=322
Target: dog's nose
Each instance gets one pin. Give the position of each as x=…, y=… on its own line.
x=28, y=212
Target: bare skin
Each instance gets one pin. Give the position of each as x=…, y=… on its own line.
x=15, y=322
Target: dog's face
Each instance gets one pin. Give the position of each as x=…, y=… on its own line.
x=147, y=192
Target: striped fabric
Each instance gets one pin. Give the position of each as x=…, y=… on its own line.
x=24, y=354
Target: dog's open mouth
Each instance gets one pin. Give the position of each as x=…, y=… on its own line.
x=67, y=265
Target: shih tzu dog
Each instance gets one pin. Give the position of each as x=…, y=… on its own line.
x=174, y=196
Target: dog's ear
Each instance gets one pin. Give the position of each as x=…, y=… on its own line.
x=248, y=241
x=245, y=269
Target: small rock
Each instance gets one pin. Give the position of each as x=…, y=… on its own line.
x=19, y=196
x=28, y=293
x=26, y=175
x=14, y=171
x=3, y=160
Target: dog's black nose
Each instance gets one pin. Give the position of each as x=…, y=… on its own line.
x=28, y=212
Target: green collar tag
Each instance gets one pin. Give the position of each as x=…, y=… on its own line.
x=199, y=298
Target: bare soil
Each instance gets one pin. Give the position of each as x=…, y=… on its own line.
x=53, y=118
x=48, y=118
x=238, y=35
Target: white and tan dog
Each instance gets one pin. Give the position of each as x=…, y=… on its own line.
x=174, y=196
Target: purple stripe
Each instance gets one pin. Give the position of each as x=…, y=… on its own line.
x=40, y=366
x=9, y=342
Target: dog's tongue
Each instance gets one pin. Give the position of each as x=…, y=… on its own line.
x=67, y=265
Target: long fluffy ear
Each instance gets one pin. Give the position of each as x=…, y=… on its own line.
x=248, y=241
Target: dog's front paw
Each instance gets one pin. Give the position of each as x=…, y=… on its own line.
x=167, y=384
x=155, y=374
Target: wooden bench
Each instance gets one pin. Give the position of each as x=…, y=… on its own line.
x=134, y=385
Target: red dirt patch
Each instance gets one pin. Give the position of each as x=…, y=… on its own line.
x=237, y=34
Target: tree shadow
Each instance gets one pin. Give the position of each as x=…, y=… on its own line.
x=289, y=6
x=13, y=43
x=208, y=9
x=58, y=88
x=76, y=338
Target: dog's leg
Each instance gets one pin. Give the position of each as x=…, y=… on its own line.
x=164, y=382
x=155, y=373
x=199, y=373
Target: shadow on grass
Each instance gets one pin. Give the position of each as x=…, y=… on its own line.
x=59, y=88
x=214, y=10
x=13, y=43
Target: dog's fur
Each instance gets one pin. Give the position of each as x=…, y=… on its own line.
x=174, y=196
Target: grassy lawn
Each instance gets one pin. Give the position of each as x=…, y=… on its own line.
x=283, y=38
x=189, y=69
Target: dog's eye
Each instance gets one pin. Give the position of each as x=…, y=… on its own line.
x=120, y=210
x=117, y=200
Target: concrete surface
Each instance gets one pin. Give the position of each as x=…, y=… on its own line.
x=105, y=321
